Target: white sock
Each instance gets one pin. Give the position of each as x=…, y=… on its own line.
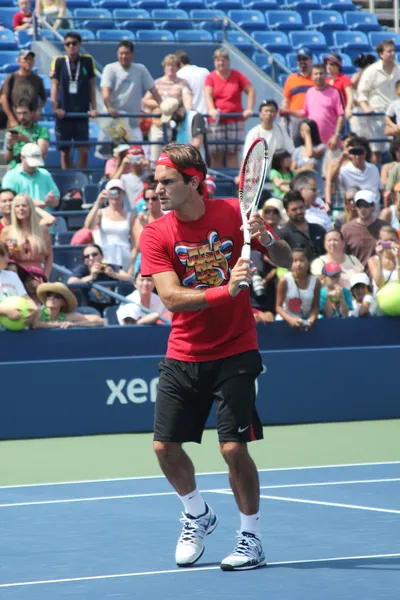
x=194, y=504
x=251, y=523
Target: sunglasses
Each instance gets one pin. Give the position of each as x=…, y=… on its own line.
x=54, y=295
x=363, y=204
x=91, y=255
x=68, y=44
x=271, y=211
x=153, y=198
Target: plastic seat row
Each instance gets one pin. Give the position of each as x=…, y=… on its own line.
x=290, y=61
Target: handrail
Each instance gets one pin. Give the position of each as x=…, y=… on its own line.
x=110, y=293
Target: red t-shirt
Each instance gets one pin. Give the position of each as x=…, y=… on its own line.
x=20, y=19
x=202, y=253
x=1, y=226
x=341, y=82
x=227, y=92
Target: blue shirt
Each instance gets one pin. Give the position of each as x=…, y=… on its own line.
x=37, y=185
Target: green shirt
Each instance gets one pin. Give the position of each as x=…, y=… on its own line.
x=38, y=132
x=45, y=315
x=277, y=193
x=37, y=186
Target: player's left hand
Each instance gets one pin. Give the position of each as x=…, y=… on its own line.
x=259, y=230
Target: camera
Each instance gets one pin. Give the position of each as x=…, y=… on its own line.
x=114, y=193
x=387, y=245
x=136, y=158
x=258, y=285
x=103, y=268
x=145, y=210
x=356, y=151
x=305, y=323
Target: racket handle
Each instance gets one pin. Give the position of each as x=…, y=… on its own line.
x=246, y=253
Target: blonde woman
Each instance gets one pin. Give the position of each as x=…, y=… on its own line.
x=169, y=86
x=55, y=12
x=29, y=242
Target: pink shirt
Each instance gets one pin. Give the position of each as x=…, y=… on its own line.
x=324, y=107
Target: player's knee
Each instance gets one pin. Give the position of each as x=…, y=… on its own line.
x=166, y=451
x=233, y=451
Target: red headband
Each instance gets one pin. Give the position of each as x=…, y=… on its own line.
x=165, y=161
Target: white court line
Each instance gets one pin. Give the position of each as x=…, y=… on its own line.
x=271, y=470
x=216, y=491
x=193, y=570
x=337, y=504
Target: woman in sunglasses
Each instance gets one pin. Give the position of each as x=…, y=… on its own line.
x=151, y=212
x=57, y=310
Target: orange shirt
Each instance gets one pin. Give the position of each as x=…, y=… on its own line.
x=295, y=89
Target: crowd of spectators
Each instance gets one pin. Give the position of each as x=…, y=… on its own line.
x=332, y=195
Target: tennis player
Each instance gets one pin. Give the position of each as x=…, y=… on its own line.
x=193, y=254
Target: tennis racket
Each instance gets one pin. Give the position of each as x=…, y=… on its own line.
x=251, y=184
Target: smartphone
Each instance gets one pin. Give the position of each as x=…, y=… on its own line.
x=13, y=131
x=387, y=245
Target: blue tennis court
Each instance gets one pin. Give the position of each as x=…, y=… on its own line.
x=329, y=533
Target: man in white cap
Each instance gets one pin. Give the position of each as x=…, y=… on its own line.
x=29, y=177
x=360, y=234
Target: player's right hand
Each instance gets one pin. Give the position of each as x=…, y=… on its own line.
x=242, y=271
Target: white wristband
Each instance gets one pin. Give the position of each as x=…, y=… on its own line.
x=271, y=240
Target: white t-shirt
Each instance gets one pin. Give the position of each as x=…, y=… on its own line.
x=133, y=187
x=393, y=110
x=276, y=138
x=10, y=285
x=368, y=179
x=133, y=311
x=318, y=216
x=196, y=76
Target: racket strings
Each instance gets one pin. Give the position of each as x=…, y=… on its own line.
x=251, y=176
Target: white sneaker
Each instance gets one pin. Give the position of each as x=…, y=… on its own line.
x=190, y=545
x=248, y=554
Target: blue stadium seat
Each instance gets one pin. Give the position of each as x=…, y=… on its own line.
x=282, y=78
x=291, y=60
x=340, y=5
x=7, y=15
x=240, y=41
x=8, y=61
x=193, y=36
x=90, y=193
x=70, y=180
x=47, y=35
x=218, y=15
x=64, y=237
x=7, y=40
x=47, y=83
x=141, y=14
x=24, y=39
x=115, y=35
x=376, y=37
x=262, y=5
x=262, y=60
x=146, y=35
x=352, y=42
x=173, y=19
x=67, y=256
x=151, y=4
x=94, y=18
x=110, y=315
x=72, y=4
x=303, y=7
x=86, y=34
x=326, y=21
x=284, y=20
x=226, y=5
x=274, y=41
x=249, y=20
x=314, y=40
x=112, y=4
x=190, y=4
x=362, y=21
x=46, y=110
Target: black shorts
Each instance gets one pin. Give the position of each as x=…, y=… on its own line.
x=186, y=392
x=71, y=129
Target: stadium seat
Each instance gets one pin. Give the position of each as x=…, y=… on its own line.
x=362, y=21
x=115, y=35
x=90, y=193
x=291, y=60
x=6, y=16
x=46, y=110
x=45, y=34
x=8, y=61
x=240, y=41
x=208, y=14
x=86, y=34
x=190, y=4
x=303, y=7
x=72, y=4
x=340, y=5
x=67, y=256
x=226, y=5
x=314, y=40
x=249, y=20
x=64, y=237
x=151, y=4
x=47, y=83
x=193, y=36
x=174, y=19
x=282, y=78
x=262, y=5
x=376, y=37
x=110, y=315
x=353, y=43
x=146, y=35
x=284, y=20
x=24, y=39
x=93, y=18
x=7, y=40
x=112, y=4
x=70, y=180
x=326, y=21
x=273, y=41
x=263, y=61
x=143, y=19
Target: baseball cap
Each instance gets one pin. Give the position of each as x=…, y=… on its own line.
x=115, y=183
x=33, y=155
x=25, y=53
x=135, y=150
x=304, y=53
x=335, y=58
x=167, y=109
x=331, y=269
x=357, y=278
x=365, y=195
x=121, y=148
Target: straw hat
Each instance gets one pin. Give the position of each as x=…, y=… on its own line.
x=57, y=288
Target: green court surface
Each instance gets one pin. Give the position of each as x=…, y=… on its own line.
x=113, y=456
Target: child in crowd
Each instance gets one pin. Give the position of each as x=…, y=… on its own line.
x=280, y=173
x=22, y=20
x=335, y=300
x=297, y=297
x=364, y=304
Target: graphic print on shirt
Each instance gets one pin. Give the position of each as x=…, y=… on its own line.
x=206, y=263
